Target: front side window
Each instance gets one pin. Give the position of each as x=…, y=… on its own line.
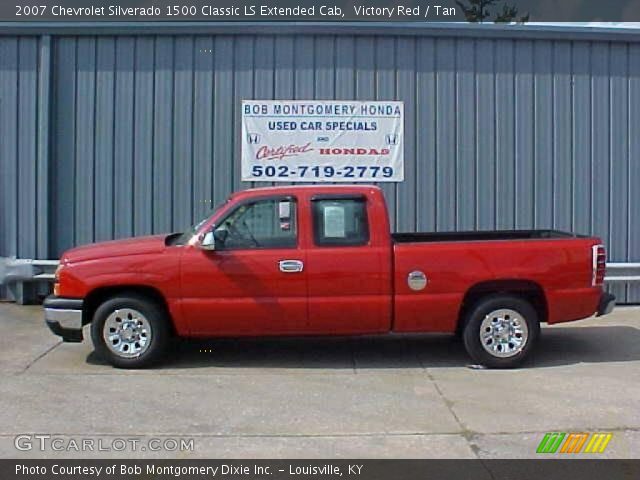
x=340, y=222
x=260, y=224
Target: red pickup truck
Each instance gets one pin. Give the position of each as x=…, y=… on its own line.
x=319, y=260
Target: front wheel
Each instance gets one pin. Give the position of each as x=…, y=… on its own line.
x=500, y=331
x=130, y=331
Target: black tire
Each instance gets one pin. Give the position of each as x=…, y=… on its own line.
x=473, y=324
x=159, y=336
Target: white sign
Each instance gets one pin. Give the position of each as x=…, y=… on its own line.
x=334, y=222
x=322, y=141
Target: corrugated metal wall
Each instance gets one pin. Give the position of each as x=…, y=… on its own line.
x=500, y=133
x=18, y=146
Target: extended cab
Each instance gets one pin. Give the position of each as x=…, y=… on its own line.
x=320, y=260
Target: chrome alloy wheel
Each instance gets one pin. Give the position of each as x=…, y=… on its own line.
x=503, y=333
x=127, y=333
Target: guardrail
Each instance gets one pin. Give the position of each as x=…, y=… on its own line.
x=22, y=277
x=623, y=272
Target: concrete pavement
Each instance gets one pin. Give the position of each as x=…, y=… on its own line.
x=383, y=397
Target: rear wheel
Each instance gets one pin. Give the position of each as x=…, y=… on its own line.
x=130, y=331
x=500, y=331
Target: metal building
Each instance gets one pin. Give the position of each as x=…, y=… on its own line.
x=109, y=131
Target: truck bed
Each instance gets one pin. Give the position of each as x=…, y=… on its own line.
x=480, y=236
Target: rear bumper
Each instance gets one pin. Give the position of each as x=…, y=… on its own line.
x=606, y=304
x=63, y=316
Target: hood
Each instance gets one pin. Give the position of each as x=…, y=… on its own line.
x=116, y=248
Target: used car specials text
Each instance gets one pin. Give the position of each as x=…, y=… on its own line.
x=228, y=470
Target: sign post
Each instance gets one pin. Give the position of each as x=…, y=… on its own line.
x=322, y=141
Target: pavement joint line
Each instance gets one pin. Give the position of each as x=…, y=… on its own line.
x=325, y=435
x=565, y=429
x=352, y=355
x=42, y=355
x=420, y=361
x=465, y=432
x=149, y=373
x=414, y=354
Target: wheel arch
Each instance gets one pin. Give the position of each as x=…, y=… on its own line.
x=99, y=295
x=526, y=289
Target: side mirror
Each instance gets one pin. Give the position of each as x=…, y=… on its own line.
x=213, y=240
x=208, y=242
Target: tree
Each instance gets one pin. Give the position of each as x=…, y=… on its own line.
x=477, y=11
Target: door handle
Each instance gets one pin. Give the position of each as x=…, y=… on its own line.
x=290, y=266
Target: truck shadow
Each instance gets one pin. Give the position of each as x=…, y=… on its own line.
x=570, y=345
x=558, y=346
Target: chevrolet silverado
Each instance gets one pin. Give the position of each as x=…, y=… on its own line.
x=319, y=260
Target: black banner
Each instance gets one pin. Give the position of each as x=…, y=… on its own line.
x=325, y=469
x=313, y=10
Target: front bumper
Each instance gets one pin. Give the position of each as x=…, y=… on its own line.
x=64, y=317
x=606, y=304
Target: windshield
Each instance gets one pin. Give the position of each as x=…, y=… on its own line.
x=184, y=238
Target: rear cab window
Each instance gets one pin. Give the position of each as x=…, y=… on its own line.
x=340, y=221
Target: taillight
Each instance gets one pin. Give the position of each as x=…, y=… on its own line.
x=599, y=259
